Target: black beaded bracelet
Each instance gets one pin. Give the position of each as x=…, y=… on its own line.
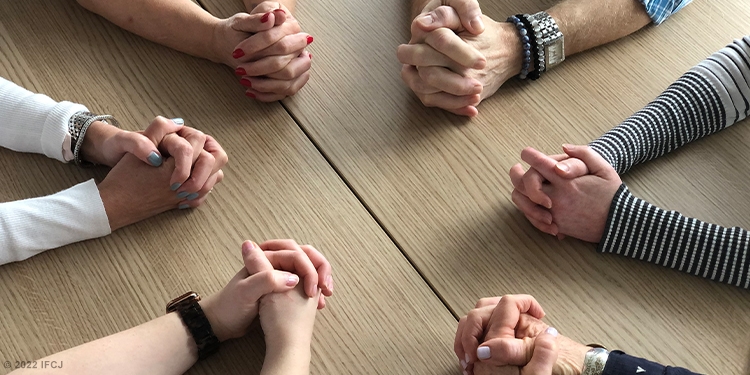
x=525, y=45
x=535, y=52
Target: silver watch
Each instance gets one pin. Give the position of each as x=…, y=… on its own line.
x=595, y=360
x=549, y=39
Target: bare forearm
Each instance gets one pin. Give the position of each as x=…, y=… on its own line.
x=590, y=23
x=178, y=24
x=161, y=346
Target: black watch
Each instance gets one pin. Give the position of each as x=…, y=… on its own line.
x=193, y=317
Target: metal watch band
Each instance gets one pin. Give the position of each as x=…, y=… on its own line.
x=595, y=360
x=78, y=125
x=550, y=40
x=195, y=320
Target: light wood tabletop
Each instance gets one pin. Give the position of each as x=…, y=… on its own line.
x=439, y=184
x=411, y=205
x=383, y=314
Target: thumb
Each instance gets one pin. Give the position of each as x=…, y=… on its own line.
x=160, y=127
x=594, y=162
x=253, y=23
x=571, y=168
x=141, y=147
x=545, y=354
x=469, y=13
x=267, y=282
x=254, y=258
x=442, y=16
x=505, y=351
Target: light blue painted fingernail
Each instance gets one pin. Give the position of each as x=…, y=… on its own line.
x=483, y=352
x=182, y=195
x=552, y=331
x=175, y=186
x=192, y=196
x=154, y=159
x=178, y=121
x=183, y=206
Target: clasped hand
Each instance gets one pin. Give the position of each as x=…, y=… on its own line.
x=165, y=167
x=457, y=57
x=266, y=49
x=504, y=335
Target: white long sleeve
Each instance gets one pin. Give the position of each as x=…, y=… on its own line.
x=29, y=227
x=35, y=123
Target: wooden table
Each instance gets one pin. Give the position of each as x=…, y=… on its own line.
x=411, y=205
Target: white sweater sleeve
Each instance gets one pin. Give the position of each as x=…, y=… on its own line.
x=35, y=123
x=29, y=227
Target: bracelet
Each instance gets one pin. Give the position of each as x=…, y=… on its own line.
x=78, y=125
x=536, y=36
x=595, y=361
x=525, y=45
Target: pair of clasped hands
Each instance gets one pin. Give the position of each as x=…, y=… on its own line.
x=505, y=336
x=167, y=166
x=457, y=56
x=266, y=49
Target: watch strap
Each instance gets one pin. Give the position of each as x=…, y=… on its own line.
x=192, y=315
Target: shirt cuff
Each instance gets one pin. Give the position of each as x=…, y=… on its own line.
x=660, y=10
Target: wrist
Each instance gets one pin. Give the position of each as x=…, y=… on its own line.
x=113, y=209
x=208, y=305
x=217, y=50
x=92, y=149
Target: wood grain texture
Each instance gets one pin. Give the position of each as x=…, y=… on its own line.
x=277, y=185
x=439, y=184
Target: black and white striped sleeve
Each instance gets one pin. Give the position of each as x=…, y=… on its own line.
x=710, y=97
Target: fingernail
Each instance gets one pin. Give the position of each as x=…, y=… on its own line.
x=311, y=56
x=175, y=186
x=552, y=331
x=568, y=146
x=192, y=196
x=329, y=283
x=548, y=204
x=463, y=364
x=264, y=19
x=183, y=206
x=477, y=23
x=178, y=121
x=483, y=352
x=249, y=94
x=240, y=71
x=426, y=19
x=280, y=10
x=182, y=195
x=468, y=359
x=292, y=280
x=154, y=159
x=309, y=39
x=246, y=82
x=238, y=53
x=563, y=167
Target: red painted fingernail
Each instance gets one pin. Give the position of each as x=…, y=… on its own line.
x=249, y=94
x=246, y=82
x=311, y=56
x=264, y=19
x=280, y=10
x=238, y=53
x=240, y=71
x=309, y=39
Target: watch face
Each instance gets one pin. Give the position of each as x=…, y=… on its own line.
x=554, y=53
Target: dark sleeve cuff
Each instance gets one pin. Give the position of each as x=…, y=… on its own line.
x=620, y=363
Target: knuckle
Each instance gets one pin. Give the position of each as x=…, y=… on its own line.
x=441, y=39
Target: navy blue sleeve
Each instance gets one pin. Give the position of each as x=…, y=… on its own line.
x=620, y=363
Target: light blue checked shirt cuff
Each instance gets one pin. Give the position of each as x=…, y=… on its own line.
x=660, y=10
